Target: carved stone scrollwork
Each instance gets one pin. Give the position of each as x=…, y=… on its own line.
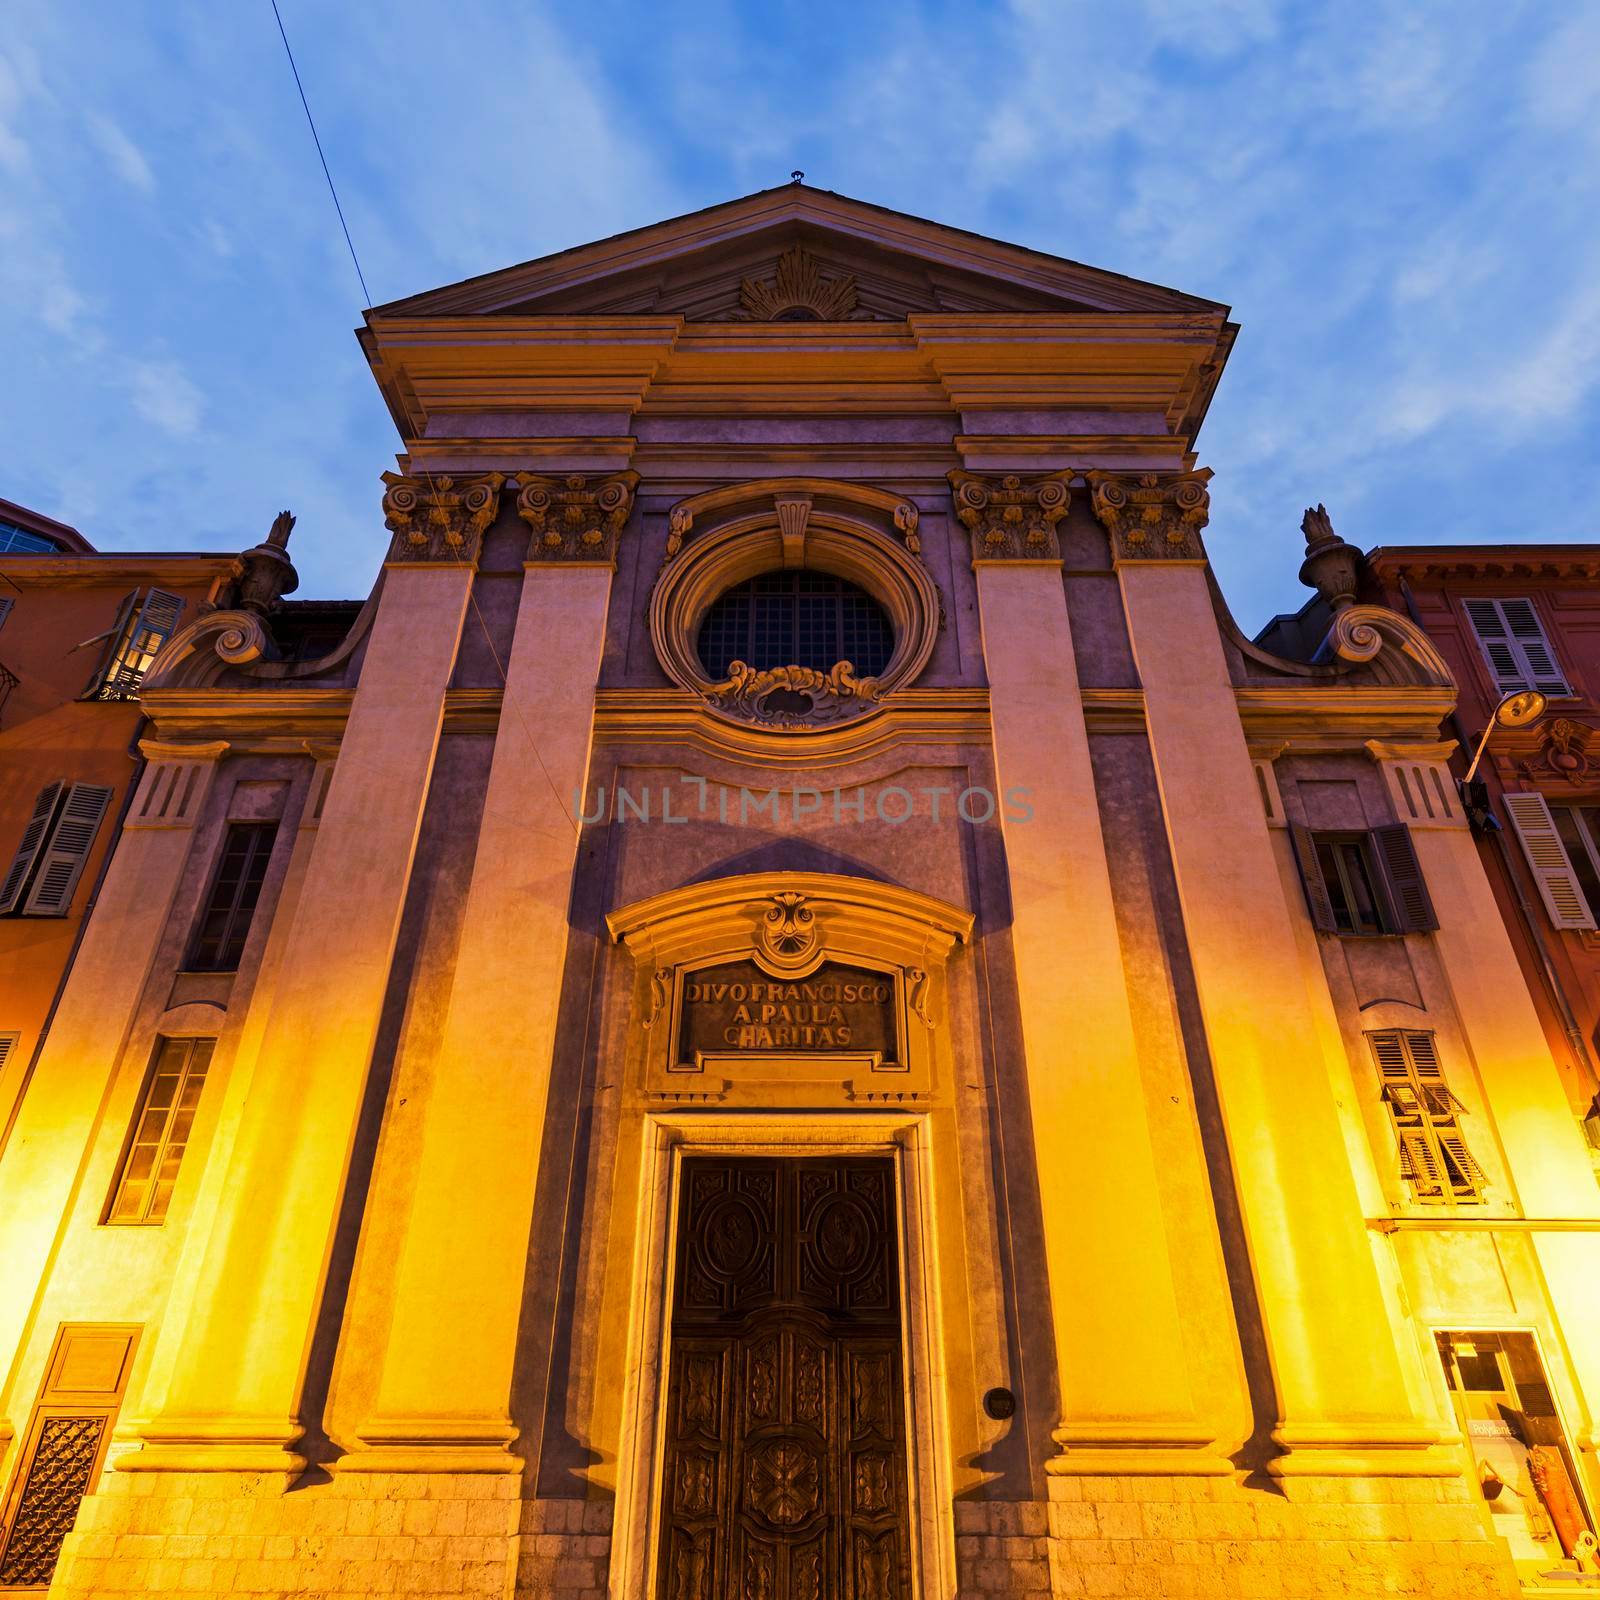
x=787, y=939
x=798, y=292
x=1394, y=650
x=196, y=656
x=905, y=519
x=575, y=518
x=1565, y=753
x=439, y=520
x=792, y=697
x=1011, y=518
x=1152, y=516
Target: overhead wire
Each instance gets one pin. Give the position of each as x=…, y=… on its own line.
x=433, y=489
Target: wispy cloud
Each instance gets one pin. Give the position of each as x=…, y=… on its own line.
x=1405, y=214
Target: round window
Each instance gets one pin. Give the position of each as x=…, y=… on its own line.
x=796, y=619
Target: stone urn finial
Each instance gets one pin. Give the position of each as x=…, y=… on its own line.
x=268, y=572
x=1330, y=563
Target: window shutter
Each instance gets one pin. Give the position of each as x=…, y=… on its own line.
x=8, y=1043
x=1547, y=860
x=1514, y=644
x=6, y=603
x=63, y=858
x=32, y=837
x=1408, y=893
x=156, y=621
x=1434, y=1158
x=116, y=647
x=1316, y=888
x=1529, y=640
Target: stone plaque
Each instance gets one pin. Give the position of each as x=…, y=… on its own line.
x=735, y=1007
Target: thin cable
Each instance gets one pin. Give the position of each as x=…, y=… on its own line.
x=311, y=123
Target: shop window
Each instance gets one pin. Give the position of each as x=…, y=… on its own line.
x=1520, y=1456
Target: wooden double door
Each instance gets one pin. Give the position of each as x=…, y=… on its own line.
x=785, y=1473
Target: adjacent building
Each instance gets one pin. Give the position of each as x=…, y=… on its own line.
x=78, y=628
x=810, y=1017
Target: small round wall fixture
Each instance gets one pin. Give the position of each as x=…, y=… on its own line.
x=1000, y=1404
x=794, y=604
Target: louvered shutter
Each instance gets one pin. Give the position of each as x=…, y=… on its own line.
x=1548, y=860
x=1408, y=893
x=1317, y=900
x=8, y=1043
x=155, y=623
x=62, y=860
x=6, y=603
x=116, y=644
x=1514, y=644
x=1434, y=1158
x=1528, y=638
x=32, y=837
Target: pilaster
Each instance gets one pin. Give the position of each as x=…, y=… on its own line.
x=1128, y=1405
x=59, y=1110
x=1343, y=1407
x=234, y=1398
x=440, y=1398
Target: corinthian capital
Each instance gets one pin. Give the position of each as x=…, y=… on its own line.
x=575, y=519
x=438, y=520
x=1152, y=516
x=1010, y=518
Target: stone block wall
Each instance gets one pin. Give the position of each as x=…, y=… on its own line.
x=470, y=1535
x=1126, y=1538
x=566, y=1550
x=214, y=1534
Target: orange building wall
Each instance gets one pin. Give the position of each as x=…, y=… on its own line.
x=47, y=732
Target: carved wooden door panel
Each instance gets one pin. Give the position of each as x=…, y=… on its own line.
x=785, y=1473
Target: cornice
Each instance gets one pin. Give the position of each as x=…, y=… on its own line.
x=679, y=717
x=1309, y=718
x=187, y=570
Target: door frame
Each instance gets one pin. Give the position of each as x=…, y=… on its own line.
x=668, y=1137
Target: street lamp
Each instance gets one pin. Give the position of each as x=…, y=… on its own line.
x=1516, y=710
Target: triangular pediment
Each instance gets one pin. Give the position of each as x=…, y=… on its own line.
x=801, y=254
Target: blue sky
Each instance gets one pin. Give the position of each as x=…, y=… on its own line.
x=1401, y=203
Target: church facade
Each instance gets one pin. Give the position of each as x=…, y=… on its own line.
x=795, y=1011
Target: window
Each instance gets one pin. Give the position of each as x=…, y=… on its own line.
x=6, y=603
x=8, y=1045
x=1520, y=1455
x=1559, y=844
x=1363, y=883
x=1514, y=644
x=161, y=1130
x=796, y=619
x=54, y=850
x=1434, y=1159
x=148, y=618
x=225, y=922
x=18, y=541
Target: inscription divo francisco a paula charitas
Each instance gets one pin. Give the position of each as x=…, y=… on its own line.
x=737, y=1006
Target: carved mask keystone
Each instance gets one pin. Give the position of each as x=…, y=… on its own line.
x=575, y=518
x=1152, y=516
x=438, y=520
x=1011, y=518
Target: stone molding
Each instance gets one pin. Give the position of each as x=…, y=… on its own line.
x=787, y=523
x=1152, y=516
x=438, y=519
x=576, y=520
x=196, y=656
x=1009, y=517
x=1395, y=651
